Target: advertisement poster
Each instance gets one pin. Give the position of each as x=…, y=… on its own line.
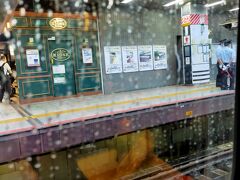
x=33, y=58
x=160, y=56
x=113, y=59
x=129, y=57
x=59, y=74
x=87, y=55
x=58, y=69
x=59, y=80
x=145, y=58
x=186, y=40
x=199, y=35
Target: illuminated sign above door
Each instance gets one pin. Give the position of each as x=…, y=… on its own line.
x=58, y=23
x=60, y=54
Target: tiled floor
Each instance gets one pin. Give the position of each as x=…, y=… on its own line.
x=16, y=118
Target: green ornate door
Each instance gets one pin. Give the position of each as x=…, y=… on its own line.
x=61, y=58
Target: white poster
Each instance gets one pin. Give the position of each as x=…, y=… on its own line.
x=129, y=57
x=58, y=69
x=200, y=54
x=113, y=59
x=59, y=80
x=160, y=56
x=145, y=58
x=186, y=40
x=33, y=58
x=87, y=55
x=199, y=34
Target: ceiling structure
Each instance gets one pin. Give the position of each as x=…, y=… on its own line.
x=5, y=10
x=147, y=4
x=158, y=4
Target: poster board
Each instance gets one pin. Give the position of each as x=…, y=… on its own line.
x=130, y=58
x=59, y=80
x=160, y=56
x=59, y=69
x=87, y=55
x=199, y=34
x=33, y=58
x=113, y=59
x=59, y=74
x=145, y=58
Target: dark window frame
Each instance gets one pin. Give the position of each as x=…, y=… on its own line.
x=236, y=144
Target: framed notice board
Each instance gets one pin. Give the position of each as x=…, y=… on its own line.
x=32, y=57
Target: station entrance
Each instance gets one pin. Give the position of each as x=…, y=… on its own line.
x=61, y=59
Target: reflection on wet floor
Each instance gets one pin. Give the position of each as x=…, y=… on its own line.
x=165, y=149
x=104, y=164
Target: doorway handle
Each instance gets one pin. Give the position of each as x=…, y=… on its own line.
x=52, y=60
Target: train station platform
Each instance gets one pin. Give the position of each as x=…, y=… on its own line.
x=15, y=118
x=62, y=123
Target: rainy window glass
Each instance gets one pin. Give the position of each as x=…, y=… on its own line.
x=117, y=89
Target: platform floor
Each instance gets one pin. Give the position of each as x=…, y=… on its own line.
x=17, y=118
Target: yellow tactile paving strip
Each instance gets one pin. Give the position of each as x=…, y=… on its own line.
x=95, y=107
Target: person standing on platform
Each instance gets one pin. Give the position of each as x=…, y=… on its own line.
x=5, y=74
x=219, y=55
x=229, y=57
x=224, y=65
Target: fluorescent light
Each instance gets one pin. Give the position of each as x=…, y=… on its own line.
x=173, y=2
x=8, y=25
x=126, y=1
x=234, y=9
x=215, y=3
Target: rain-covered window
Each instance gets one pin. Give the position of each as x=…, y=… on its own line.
x=117, y=89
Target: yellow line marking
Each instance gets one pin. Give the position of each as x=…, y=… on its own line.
x=103, y=105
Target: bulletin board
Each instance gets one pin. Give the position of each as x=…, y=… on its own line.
x=87, y=55
x=33, y=57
